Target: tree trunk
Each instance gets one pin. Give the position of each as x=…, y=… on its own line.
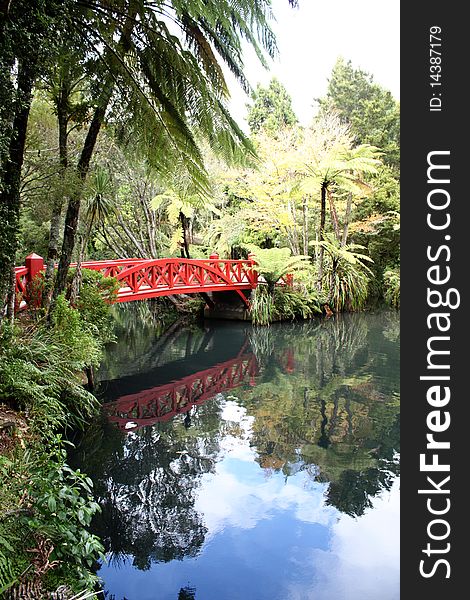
x=73, y=209
x=77, y=276
x=334, y=268
x=321, y=234
x=347, y=218
x=83, y=166
x=11, y=176
x=139, y=249
x=54, y=235
x=305, y=224
x=334, y=215
x=184, y=226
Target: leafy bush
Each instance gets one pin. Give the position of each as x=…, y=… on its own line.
x=294, y=303
x=262, y=307
x=97, y=292
x=45, y=507
x=53, y=507
x=274, y=263
x=39, y=371
x=284, y=303
x=349, y=287
x=72, y=331
x=346, y=276
x=392, y=287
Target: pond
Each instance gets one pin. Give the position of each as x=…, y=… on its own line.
x=242, y=463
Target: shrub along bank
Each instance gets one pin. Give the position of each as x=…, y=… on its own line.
x=45, y=506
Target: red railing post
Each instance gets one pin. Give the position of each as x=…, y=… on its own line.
x=215, y=257
x=216, y=265
x=35, y=265
x=253, y=273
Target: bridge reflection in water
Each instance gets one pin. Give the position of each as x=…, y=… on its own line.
x=163, y=402
x=223, y=361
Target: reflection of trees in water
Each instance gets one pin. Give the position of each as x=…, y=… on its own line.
x=145, y=484
x=148, y=336
x=187, y=593
x=353, y=491
x=333, y=410
x=392, y=326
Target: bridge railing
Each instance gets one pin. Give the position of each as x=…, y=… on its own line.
x=147, y=278
x=141, y=278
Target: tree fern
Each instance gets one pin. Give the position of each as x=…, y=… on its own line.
x=346, y=276
x=176, y=81
x=274, y=263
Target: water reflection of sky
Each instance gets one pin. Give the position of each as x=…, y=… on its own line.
x=272, y=537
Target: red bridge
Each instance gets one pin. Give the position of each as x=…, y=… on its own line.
x=140, y=279
x=163, y=402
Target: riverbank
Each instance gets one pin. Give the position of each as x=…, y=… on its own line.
x=45, y=506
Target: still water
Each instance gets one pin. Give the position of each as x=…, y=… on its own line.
x=240, y=463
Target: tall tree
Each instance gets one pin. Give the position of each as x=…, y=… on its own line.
x=167, y=90
x=271, y=110
x=28, y=32
x=371, y=110
x=328, y=164
x=64, y=85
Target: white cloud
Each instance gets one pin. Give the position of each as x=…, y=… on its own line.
x=362, y=562
x=310, y=40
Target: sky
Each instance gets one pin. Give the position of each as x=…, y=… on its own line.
x=312, y=37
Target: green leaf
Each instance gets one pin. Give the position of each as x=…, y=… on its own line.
x=52, y=504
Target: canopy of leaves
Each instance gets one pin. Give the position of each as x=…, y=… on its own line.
x=371, y=110
x=271, y=110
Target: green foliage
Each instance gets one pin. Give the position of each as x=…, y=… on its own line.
x=181, y=205
x=8, y=573
x=346, y=276
x=341, y=168
x=44, y=505
x=371, y=110
x=97, y=293
x=29, y=33
x=262, y=307
x=100, y=197
x=172, y=90
x=50, y=505
x=348, y=287
x=294, y=303
x=73, y=333
x=274, y=263
x=38, y=372
x=271, y=110
x=376, y=225
x=282, y=304
x=392, y=287
x=33, y=233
